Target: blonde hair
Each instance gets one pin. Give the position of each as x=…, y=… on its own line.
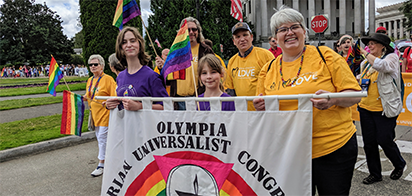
x=214, y=63
x=143, y=57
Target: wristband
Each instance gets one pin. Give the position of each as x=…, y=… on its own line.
x=367, y=54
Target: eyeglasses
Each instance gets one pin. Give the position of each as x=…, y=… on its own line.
x=93, y=64
x=273, y=41
x=192, y=29
x=293, y=28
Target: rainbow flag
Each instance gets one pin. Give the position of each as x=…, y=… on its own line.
x=72, y=114
x=354, y=58
x=180, y=54
x=54, y=76
x=125, y=11
x=2, y=72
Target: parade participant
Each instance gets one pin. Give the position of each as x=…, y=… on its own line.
x=276, y=51
x=407, y=60
x=115, y=64
x=100, y=84
x=137, y=80
x=345, y=42
x=381, y=66
x=186, y=87
x=160, y=61
x=306, y=70
x=211, y=73
x=244, y=67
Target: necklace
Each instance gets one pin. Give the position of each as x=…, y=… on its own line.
x=297, y=75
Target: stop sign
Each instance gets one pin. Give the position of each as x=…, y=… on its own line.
x=319, y=23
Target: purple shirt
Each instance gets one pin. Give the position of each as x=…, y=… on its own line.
x=226, y=105
x=143, y=83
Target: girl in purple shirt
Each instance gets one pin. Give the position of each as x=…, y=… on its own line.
x=137, y=80
x=210, y=74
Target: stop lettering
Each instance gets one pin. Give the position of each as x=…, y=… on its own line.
x=319, y=24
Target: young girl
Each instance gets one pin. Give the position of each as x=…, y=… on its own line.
x=210, y=73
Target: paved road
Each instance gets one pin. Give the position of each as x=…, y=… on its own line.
x=31, y=112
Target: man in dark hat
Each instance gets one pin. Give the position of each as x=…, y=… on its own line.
x=383, y=30
x=244, y=67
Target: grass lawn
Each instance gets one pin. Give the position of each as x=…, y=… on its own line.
x=29, y=102
x=6, y=92
x=25, y=81
x=29, y=131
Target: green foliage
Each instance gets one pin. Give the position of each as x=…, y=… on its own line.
x=99, y=34
x=43, y=80
x=29, y=102
x=30, y=131
x=406, y=8
x=214, y=18
x=77, y=59
x=6, y=92
x=31, y=33
x=78, y=40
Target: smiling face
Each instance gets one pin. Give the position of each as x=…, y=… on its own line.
x=242, y=39
x=130, y=45
x=376, y=48
x=193, y=31
x=292, y=39
x=210, y=77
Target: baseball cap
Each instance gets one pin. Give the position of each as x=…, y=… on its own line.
x=380, y=29
x=240, y=25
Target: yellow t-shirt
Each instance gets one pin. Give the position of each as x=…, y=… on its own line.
x=186, y=87
x=372, y=101
x=106, y=87
x=333, y=127
x=242, y=73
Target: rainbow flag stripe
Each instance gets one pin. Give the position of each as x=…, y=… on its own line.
x=72, y=114
x=54, y=77
x=125, y=11
x=354, y=58
x=180, y=54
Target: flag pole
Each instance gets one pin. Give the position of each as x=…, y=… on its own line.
x=66, y=83
x=148, y=35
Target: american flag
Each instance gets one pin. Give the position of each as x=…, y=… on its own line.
x=158, y=43
x=236, y=10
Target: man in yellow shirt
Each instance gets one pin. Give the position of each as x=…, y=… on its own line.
x=186, y=87
x=244, y=67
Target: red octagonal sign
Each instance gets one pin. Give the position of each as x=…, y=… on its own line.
x=319, y=24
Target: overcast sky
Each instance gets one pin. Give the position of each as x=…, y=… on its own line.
x=68, y=10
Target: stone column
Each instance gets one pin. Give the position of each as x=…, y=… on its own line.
x=357, y=18
x=395, y=29
x=311, y=11
x=296, y=4
x=389, y=29
x=279, y=3
x=264, y=17
x=401, y=29
x=327, y=11
x=342, y=17
x=371, y=16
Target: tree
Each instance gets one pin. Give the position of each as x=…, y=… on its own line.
x=78, y=39
x=99, y=34
x=214, y=18
x=31, y=33
x=406, y=8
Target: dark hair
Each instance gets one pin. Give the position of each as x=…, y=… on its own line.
x=214, y=63
x=143, y=57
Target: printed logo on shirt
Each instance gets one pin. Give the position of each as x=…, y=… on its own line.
x=243, y=72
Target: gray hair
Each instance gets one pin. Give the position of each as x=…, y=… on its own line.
x=113, y=60
x=98, y=57
x=284, y=15
x=200, y=38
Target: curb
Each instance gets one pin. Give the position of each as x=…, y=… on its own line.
x=45, y=146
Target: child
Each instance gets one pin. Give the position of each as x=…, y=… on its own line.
x=210, y=73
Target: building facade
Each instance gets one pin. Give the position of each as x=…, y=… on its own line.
x=392, y=19
x=345, y=17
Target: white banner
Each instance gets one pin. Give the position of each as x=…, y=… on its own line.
x=214, y=152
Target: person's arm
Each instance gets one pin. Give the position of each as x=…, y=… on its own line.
x=404, y=64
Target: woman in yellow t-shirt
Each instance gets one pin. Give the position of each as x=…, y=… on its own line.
x=301, y=70
x=377, y=128
x=99, y=84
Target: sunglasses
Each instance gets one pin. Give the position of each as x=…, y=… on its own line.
x=93, y=64
x=273, y=41
x=192, y=29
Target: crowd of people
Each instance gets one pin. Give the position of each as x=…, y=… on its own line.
x=42, y=71
x=255, y=71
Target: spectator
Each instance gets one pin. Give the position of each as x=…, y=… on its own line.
x=407, y=60
x=115, y=65
x=276, y=51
